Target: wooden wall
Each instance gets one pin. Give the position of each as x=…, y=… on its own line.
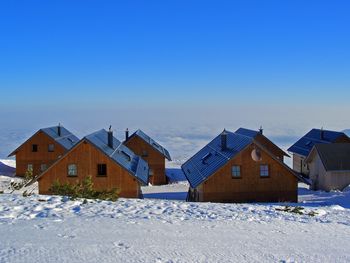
x=281, y=185
x=87, y=156
x=155, y=160
x=270, y=146
x=25, y=156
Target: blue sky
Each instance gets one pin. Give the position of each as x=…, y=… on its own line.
x=280, y=62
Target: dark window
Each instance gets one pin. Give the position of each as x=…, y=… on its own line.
x=236, y=171
x=264, y=170
x=51, y=147
x=144, y=153
x=43, y=167
x=102, y=169
x=34, y=147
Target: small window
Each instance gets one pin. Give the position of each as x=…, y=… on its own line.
x=264, y=170
x=144, y=153
x=150, y=172
x=72, y=170
x=34, y=147
x=51, y=148
x=236, y=171
x=43, y=167
x=102, y=169
x=30, y=168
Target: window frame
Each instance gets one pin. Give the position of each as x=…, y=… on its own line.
x=100, y=170
x=30, y=169
x=70, y=169
x=43, y=165
x=234, y=171
x=264, y=173
x=49, y=149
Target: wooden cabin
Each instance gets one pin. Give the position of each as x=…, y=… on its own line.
x=100, y=155
x=152, y=152
x=302, y=148
x=238, y=167
x=329, y=166
x=42, y=149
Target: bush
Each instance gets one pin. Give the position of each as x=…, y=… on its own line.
x=83, y=189
x=19, y=185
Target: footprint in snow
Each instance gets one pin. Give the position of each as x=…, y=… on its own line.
x=121, y=245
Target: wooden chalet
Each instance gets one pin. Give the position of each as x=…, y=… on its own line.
x=100, y=155
x=302, y=148
x=241, y=166
x=150, y=151
x=42, y=149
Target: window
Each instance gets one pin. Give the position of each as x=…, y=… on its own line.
x=264, y=170
x=30, y=168
x=51, y=148
x=236, y=171
x=72, y=170
x=150, y=172
x=144, y=153
x=43, y=167
x=102, y=169
x=34, y=147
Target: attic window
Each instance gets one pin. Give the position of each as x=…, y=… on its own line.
x=308, y=143
x=69, y=139
x=101, y=169
x=34, y=147
x=144, y=153
x=205, y=157
x=127, y=156
x=51, y=148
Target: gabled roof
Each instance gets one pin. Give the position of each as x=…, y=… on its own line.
x=152, y=143
x=120, y=154
x=335, y=156
x=67, y=139
x=211, y=157
x=254, y=134
x=304, y=145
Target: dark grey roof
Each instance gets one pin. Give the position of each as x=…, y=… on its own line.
x=67, y=139
x=121, y=154
x=209, y=159
x=304, y=145
x=335, y=156
x=153, y=143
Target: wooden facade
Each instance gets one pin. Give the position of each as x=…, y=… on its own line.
x=37, y=153
x=155, y=160
x=87, y=157
x=222, y=186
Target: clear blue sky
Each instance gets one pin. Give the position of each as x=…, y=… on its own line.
x=159, y=54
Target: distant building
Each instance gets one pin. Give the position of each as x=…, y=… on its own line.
x=100, y=155
x=42, y=149
x=301, y=149
x=152, y=152
x=329, y=166
x=241, y=166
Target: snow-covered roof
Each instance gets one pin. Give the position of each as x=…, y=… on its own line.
x=64, y=138
x=152, y=143
x=304, y=145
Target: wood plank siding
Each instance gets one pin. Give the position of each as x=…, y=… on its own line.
x=87, y=157
x=155, y=160
x=26, y=156
x=280, y=185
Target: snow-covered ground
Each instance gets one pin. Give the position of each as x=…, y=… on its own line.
x=55, y=229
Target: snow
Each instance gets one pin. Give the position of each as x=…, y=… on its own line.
x=160, y=229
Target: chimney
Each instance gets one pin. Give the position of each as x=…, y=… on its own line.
x=322, y=133
x=224, y=140
x=59, y=129
x=126, y=134
x=110, y=137
x=261, y=130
